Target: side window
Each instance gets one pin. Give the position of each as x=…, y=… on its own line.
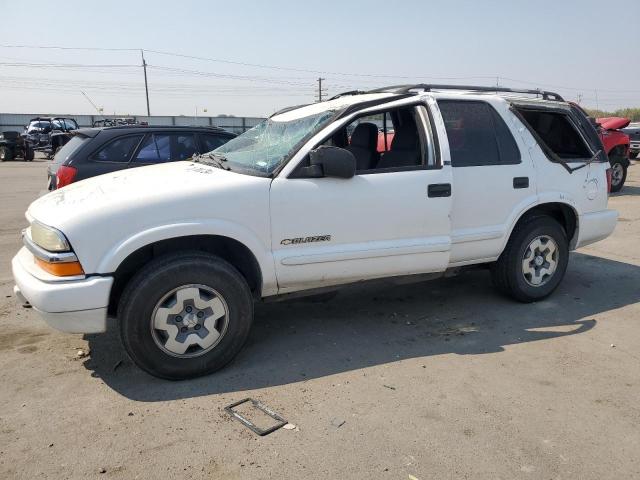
x=380, y=120
x=385, y=140
x=118, y=150
x=71, y=124
x=558, y=133
x=154, y=149
x=162, y=147
x=184, y=146
x=211, y=142
x=478, y=136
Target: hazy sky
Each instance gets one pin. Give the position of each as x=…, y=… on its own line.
x=579, y=47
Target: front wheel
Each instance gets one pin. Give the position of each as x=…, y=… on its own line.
x=185, y=315
x=618, y=176
x=534, y=261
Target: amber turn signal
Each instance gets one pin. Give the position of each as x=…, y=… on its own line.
x=59, y=269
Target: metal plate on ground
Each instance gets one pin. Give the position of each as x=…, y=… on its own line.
x=249, y=424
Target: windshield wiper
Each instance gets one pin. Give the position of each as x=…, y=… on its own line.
x=213, y=159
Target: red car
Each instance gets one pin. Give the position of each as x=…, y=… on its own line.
x=616, y=144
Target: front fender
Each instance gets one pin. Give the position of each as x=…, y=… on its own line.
x=121, y=250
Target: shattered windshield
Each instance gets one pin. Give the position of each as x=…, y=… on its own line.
x=263, y=148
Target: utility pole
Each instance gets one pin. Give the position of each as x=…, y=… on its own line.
x=146, y=86
x=579, y=99
x=320, y=91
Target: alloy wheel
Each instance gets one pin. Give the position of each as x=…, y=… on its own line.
x=540, y=260
x=189, y=321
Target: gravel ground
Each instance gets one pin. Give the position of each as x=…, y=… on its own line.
x=438, y=380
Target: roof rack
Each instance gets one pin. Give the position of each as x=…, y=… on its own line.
x=546, y=95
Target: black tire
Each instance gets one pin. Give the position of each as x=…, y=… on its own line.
x=158, y=278
x=508, y=272
x=5, y=153
x=28, y=153
x=618, y=176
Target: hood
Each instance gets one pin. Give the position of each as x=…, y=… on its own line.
x=98, y=213
x=613, y=123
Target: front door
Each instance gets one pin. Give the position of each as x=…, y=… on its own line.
x=387, y=220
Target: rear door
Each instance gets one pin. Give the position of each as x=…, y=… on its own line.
x=493, y=180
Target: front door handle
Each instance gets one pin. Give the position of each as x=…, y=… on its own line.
x=439, y=190
x=521, y=182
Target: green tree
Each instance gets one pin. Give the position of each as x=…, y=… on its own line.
x=632, y=114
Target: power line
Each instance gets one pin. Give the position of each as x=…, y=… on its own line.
x=313, y=71
x=54, y=47
x=64, y=65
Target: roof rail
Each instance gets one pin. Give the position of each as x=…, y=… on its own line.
x=546, y=95
x=350, y=92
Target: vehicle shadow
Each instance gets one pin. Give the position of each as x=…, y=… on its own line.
x=627, y=190
x=365, y=326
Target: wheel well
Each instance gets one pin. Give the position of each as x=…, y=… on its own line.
x=564, y=214
x=227, y=248
x=619, y=154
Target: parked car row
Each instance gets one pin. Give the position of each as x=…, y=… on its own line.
x=96, y=151
x=306, y=202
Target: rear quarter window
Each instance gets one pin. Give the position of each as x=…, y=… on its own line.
x=68, y=149
x=557, y=133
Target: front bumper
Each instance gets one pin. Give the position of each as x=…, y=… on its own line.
x=77, y=305
x=596, y=226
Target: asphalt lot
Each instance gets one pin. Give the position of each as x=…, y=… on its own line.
x=438, y=380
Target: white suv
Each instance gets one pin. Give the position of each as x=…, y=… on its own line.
x=395, y=182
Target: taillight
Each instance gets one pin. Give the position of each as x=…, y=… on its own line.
x=65, y=175
x=609, y=173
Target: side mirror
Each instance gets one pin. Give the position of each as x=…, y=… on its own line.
x=334, y=162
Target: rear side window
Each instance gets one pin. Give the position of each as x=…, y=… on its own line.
x=477, y=135
x=118, y=150
x=211, y=142
x=163, y=147
x=69, y=148
x=558, y=133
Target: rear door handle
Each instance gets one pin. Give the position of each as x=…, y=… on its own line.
x=439, y=190
x=521, y=182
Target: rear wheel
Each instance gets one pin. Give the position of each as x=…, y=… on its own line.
x=534, y=261
x=5, y=154
x=618, y=175
x=185, y=315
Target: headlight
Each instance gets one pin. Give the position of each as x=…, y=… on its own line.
x=48, y=238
